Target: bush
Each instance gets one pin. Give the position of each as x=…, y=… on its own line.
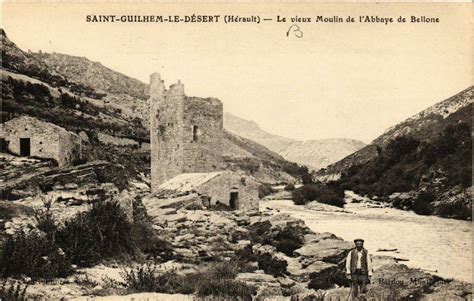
x=328, y=279
x=271, y=265
x=101, y=232
x=289, y=187
x=33, y=255
x=454, y=210
x=227, y=289
x=422, y=204
x=289, y=239
x=12, y=292
x=264, y=190
x=215, y=280
x=317, y=192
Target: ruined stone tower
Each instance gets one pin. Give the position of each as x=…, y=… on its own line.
x=186, y=133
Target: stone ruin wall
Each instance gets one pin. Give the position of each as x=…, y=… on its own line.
x=166, y=111
x=205, y=154
x=172, y=117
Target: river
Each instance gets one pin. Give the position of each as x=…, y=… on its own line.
x=439, y=245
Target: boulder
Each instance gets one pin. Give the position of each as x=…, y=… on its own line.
x=449, y=290
x=315, y=269
x=328, y=250
x=399, y=282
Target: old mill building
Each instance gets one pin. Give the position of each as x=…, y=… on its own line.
x=27, y=136
x=186, y=135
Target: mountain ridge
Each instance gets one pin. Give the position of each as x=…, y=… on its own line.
x=423, y=126
x=315, y=154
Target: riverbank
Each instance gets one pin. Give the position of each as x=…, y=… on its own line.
x=437, y=245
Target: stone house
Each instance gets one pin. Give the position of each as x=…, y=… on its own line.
x=239, y=192
x=28, y=136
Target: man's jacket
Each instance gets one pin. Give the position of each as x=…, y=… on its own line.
x=358, y=260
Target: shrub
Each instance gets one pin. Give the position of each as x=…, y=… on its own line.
x=101, y=232
x=289, y=187
x=289, y=239
x=215, y=280
x=327, y=279
x=271, y=265
x=454, y=210
x=260, y=232
x=422, y=204
x=307, y=179
x=228, y=289
x=12, y=292
x=145, y=278
x=264, y=190
x=319, y=192
x=34, y=255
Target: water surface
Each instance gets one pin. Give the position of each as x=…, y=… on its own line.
x=439, y=245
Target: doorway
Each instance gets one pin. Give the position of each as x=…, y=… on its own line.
x=25, y=147
x=234, y=200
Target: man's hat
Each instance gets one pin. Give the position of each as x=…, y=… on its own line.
x=358, y=239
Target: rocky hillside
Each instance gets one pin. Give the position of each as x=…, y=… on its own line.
x=423, y=164
x=93, y=74
x=315, y=154
x=424, y=126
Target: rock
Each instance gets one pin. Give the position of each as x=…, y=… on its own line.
x=309, y=295
x=316, y=206
x=316, y=269
x=315, y=237
x=179, y=217
x=71, y=186
x=341, y=293
x=185, y=237
x=185, y=253
x=328, y=250
x=398, y=281
x=260, y=249
x=239, y=233
x=256, y=278
x=286, y=282
x=449, y=290
x=267, y=285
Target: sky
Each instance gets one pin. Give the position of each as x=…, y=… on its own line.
x=339, y=80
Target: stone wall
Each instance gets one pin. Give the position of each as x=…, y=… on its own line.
x=46, y=140
x=220, y=187
x=176, y=145
x=203, y=146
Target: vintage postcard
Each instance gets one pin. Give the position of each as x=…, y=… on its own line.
x=236, y=151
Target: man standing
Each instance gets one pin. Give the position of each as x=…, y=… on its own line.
x=358, y=269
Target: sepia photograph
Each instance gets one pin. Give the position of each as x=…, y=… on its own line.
x=282, y=151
